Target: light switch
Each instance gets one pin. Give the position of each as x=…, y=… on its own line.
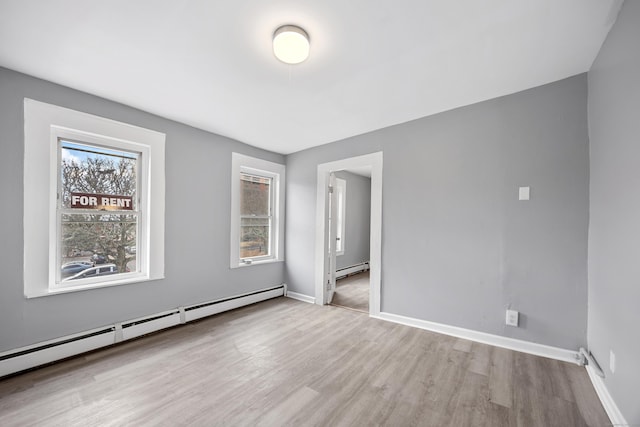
x=523, y=193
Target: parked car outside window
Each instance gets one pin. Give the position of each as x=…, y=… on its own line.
x=100, y=270
x=71, y=268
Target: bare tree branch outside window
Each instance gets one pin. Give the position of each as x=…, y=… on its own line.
x=110, y=235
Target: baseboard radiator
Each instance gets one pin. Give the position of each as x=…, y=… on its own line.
x=32, y=356
x=352, y=269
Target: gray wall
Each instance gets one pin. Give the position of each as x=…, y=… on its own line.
x=614, y=228
x=457, y=246
x=198, y=191
x=357, y=220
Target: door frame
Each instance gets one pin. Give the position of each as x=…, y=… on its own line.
x=373, y=160
x=332, y=233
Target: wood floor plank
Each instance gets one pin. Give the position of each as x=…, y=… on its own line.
x=560, y=384
x=480, y=362
x=500, y=377
x=527, y=392
x=283, y=362
x=463, y=345
x=353, y=292
x=585, y=397
x=473, y=403
x=285, y=411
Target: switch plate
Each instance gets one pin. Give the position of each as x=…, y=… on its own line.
x=512, y=318
x=523, y=193
x=612, y=361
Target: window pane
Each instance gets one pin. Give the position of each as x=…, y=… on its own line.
x=339, y=219
x=90, y=242
x=254, y=237
x=254, y=195
x=88, y=170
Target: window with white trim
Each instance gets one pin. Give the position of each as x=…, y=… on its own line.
x=341, y=196
x=257, y=211
x=99, y=215
x=101, y=183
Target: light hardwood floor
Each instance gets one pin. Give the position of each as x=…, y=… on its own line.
x=353, y=292
x=283, y=362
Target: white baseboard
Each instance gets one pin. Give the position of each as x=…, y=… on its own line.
x=364, y=266
x=138, y=327
x=485, y=338
x=75, y=344
x=220, y=306
x=610, y=407
x=301, y=297
x=42, y=353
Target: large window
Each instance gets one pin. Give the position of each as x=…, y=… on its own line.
x=257, y=211
x=101, y=185
x=99, y=214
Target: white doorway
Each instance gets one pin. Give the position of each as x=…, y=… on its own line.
x=325, y=240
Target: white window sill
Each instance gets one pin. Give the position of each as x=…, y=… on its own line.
x=257, y=262
x=130, y=279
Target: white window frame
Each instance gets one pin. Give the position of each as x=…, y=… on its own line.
x=341, y=197
x=254, y=166
x=44, y=125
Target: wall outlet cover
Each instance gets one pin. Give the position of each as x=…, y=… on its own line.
x=612, y=361
x=512, y=318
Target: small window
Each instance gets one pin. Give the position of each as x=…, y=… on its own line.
x=257, y=211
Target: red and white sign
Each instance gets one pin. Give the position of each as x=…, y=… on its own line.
x=103, y=202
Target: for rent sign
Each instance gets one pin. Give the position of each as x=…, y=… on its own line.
x=104, y=202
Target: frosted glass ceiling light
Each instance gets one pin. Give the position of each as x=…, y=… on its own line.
x=291, y=44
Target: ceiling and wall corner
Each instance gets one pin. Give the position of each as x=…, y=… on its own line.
x=372, y=64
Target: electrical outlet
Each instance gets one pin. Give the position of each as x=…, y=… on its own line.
x=512, y=318
x=612, y=361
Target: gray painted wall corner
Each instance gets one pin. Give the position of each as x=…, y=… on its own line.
x=198, y=173
x=614, y=232
x=458, y=247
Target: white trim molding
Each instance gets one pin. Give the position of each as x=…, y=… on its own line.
x=44, y=125
x=374, y=161
x=276, y=171
x=485, y=338
x=301, y=297
x=610, y=407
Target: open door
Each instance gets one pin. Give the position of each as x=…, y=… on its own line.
x=332, y=226
x=325, y=265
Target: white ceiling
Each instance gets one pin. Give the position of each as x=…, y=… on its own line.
x=373, y=63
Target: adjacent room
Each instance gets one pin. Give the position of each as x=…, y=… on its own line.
x=319, y=213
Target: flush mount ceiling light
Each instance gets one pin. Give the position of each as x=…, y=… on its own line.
x=291, y=44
